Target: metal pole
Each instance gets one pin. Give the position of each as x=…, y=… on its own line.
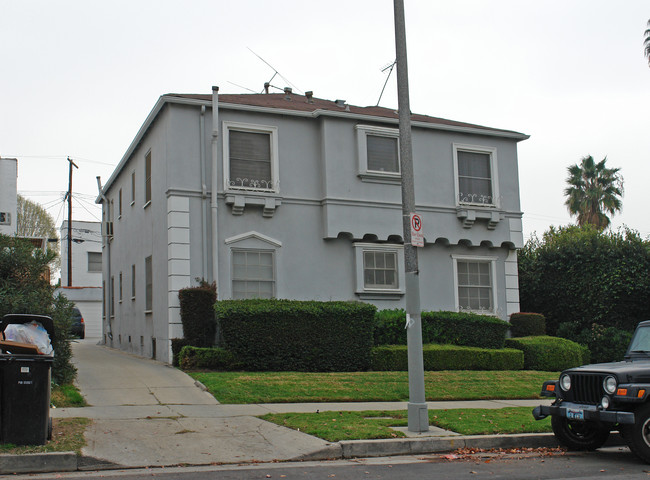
x=70, y=222
x=418, y=418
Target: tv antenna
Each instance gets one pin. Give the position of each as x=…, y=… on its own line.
x=390, y=68
x=275, y=73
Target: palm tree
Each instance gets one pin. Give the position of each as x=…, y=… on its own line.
x=594, y=190
x=646, y=42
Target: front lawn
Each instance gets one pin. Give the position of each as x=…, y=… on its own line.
x=296, y=387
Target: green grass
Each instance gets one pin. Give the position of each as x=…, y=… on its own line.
x=294, y=387
x=336, y=426
x=67, y=436
x=66, y=396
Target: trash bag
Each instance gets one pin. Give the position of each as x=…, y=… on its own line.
x=32, y=333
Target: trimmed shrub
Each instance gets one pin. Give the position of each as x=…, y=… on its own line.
x=177, y=346
x=527, y=325
x=197, y=314
x=448, y=357
x=193, y=358
x=548, y=354
x=466, y=329
x=280, y=335
x=606, y=344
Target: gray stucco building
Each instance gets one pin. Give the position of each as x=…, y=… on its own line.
x=307, y=206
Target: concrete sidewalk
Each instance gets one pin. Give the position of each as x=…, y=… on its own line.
x=149, y=414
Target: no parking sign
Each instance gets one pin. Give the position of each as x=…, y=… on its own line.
x=417, y=238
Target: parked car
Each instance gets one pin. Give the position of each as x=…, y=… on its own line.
x=592, y=400
x=78, y=327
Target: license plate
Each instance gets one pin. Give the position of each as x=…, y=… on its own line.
x=575, y=414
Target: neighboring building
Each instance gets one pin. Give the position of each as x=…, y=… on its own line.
x=290, y=196
x=8, y=195
x=86, y=288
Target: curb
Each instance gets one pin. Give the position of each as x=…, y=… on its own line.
x=346, y=449
x=38, y=463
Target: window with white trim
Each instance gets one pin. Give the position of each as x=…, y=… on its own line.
x=250, y=157
x=475, y=169
x=253, y=274
x=475, y=287
x=378, y=152
x=379, y=269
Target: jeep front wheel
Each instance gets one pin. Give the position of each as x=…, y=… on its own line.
x=579, y=435
x=637, y=436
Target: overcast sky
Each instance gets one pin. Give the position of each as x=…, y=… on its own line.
x=78, y=78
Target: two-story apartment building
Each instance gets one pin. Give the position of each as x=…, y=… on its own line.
x=291, y=196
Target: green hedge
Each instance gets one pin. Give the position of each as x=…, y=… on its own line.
x=280, y=335
x=192, y=358
x=466, y=329
x=527, y=325
x=448, y=357
x=548, y=354
x=197, y=314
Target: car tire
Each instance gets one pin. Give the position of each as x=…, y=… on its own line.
x=579, y=435
x=82, y=335
x=637, y=436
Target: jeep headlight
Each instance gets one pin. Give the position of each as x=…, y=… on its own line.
x=610, y=384
x=565, y=382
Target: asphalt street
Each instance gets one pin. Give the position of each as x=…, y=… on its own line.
x=615, y=463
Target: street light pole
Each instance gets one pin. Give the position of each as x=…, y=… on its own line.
x=418, y=418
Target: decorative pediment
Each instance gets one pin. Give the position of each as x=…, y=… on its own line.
x=252, y=235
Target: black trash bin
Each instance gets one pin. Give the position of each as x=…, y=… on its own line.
x=25, y=387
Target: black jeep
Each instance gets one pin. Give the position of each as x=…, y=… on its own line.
x=592, y=400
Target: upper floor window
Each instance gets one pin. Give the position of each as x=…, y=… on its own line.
x=250, y=157
x=378, y=151
x=94, y=261
x=132, y=188
x=476, y=169
x=475, y=289
x=147, y=178
x=119, y=203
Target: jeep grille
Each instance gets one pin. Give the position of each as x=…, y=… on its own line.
x=586, y=388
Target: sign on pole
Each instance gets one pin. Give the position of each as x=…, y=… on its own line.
x=417, y=238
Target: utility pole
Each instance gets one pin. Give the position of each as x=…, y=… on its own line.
x=70, y=221
x=418, y=418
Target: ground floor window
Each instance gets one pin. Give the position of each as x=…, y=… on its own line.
x=148, y=281
x=475, y=289
x=253, y=274
x=379, y=269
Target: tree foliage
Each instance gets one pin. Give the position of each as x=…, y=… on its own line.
x=594, y=190
x=582, y=275
x=24, y=289
x=33, y=220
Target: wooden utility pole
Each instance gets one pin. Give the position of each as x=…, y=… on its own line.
x=70, y=221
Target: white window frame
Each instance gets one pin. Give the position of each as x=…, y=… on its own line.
x=492, y=152
x=148, y=175
x=374, y=292
x=275, y=158
x=363, y=131
x=493, y=270
x=233, y=279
